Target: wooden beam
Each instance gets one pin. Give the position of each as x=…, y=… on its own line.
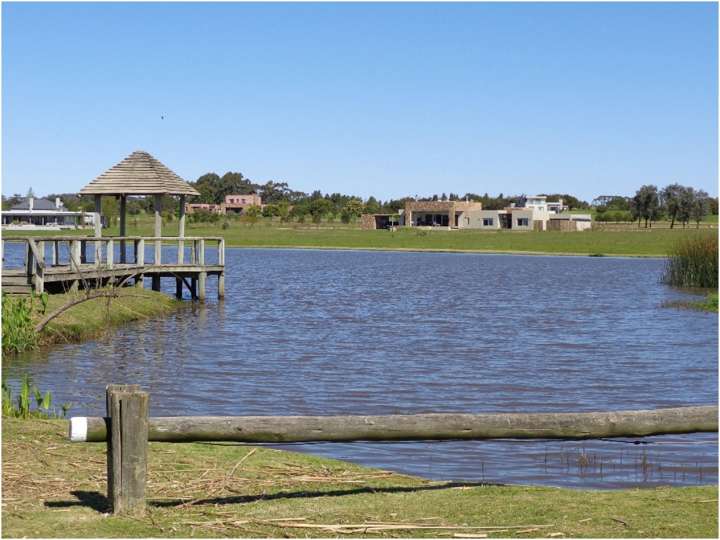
x=277, y=429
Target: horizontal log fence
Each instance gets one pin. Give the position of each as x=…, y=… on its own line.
x=127, y=429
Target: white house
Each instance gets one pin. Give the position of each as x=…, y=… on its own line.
x=32, y=213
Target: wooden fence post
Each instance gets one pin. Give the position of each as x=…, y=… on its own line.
x=127, y=445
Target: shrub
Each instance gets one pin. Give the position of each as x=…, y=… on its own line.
x=693, y=262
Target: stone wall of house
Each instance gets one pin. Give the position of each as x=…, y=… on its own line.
x=367, y=221
x=563, y=225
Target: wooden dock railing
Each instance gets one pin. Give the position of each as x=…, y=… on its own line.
x=75, y=257
x=127, y=429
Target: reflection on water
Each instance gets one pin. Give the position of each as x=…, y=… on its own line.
x=340, y=332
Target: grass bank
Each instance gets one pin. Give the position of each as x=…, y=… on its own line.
x=634, y=242
x=709, y=304
x=90, y=319
x=54, y=489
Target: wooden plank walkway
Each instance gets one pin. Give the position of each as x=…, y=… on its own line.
x=52, y=274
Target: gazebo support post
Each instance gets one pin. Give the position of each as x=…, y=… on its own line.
x=181, y=244
x=98, y=228
x=123, y=231
x=157, y=204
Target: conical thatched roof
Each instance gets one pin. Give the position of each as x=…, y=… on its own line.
x=138, y=174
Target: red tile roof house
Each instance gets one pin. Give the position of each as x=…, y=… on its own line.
x=233, y=203
x=239, y=203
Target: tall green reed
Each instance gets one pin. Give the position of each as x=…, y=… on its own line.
x=693, y=262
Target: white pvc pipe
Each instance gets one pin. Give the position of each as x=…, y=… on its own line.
x=78, y=429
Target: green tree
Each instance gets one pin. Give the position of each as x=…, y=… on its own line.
x=372, y=206
x=670, y=196
x=319, y=208
x=700, y=207
x=352, y=210
x=645, y=204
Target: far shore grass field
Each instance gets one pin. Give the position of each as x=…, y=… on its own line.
x=52, y=488
x=605, y=239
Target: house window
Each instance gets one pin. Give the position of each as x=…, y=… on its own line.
x=487, y=222
x=522, y=222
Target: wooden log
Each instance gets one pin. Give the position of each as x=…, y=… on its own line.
x=129, y=443
x=419, y=427
x=178, y=288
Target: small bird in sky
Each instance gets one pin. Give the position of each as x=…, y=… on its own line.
x=162, y=117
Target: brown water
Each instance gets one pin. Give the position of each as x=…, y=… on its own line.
x=352, y=332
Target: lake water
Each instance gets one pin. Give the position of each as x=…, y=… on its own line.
x=352, y=332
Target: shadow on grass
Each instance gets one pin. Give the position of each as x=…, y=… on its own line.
x=100, y=503
x=91, y=499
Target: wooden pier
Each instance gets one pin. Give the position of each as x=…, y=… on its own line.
x=66, y=263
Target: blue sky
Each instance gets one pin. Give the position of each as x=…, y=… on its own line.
x=370, y=99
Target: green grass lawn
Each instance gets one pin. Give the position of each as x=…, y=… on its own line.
x=52, y=488
x=632, y=242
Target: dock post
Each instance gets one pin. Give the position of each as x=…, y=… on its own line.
x=202, y=278
x=39, y=276
x=56, y=253
x=193, y=288
x=127, y=444
x=75, y=257
x=98, y=229
x=221, y=275
x=123, y=227
x=157, y=204
x=139, y=261
x=110, y=253
x=178, y=288
x=83, y=252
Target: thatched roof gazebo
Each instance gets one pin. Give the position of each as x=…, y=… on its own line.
x=139, y=174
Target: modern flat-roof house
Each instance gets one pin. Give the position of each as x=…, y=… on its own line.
x=41, y=214
x=451, y=214
x=535, y=215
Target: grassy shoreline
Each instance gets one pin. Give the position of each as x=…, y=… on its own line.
x=93, y=318
x=52, y=488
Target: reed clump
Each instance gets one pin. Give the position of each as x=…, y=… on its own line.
x=693, y=262
x=21, y=406
x=18, y=329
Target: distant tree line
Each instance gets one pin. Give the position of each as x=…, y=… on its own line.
x=679, y=204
